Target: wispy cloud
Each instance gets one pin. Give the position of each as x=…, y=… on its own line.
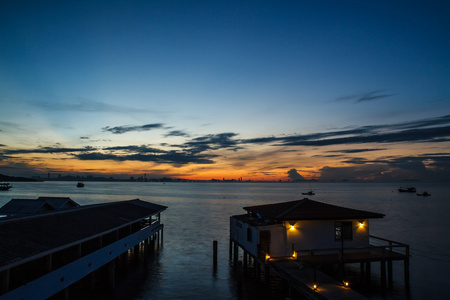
x=176, y=133
x=426, y=130
x=364, y=97
x=170, y=157
x=127, y=128
x=213, y=142
x=48, y=150
x=86, y=105
x=135, y=149
x=349, y=151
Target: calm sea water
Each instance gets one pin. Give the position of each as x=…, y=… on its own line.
x=198, y=213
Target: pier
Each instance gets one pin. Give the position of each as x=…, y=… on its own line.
x=45, y=254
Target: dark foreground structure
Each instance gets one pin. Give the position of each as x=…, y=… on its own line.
x=294, y=239
x=44, y=254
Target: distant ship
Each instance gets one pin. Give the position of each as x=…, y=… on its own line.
x=309, y=193
x=424, y=194
x=4, y=186
x=407, y=190
x=80, y=184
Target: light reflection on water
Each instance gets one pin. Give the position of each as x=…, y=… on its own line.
x=198, y=213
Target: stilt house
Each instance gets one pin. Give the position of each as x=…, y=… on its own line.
x=285, y=229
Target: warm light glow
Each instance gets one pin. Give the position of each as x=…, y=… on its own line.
x=315, y=286
x=346, y=283
x=294, y=255
x=292, y=227
x=361, y=224
x=267, y=256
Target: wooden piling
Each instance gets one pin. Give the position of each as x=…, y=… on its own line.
x=235, y=255
x=230, y=249
x=215, y=253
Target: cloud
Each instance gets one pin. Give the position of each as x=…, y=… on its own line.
x=294, y=175
x=125, y=128
x=212, y=142
x=425, y=167
x=48, y=150
x=176, y=133
x=427, y=130
x=369, y=96
x=86, y=105
x=349, y=151
x=171, y=157
x=133, y=148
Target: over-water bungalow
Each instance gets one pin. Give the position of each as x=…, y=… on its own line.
x=314, y=233
x=52, y=251
x=281, y=229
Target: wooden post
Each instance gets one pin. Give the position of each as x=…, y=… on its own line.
x=66, y=293
x=368, y=271
x=111, y=275
x=215, y=254
x=389, y=271
x=145, y=251
x=245, y=261
x=4, y=288
x=266, y=273
x=383, y=267
x=257, y=270
x=406, y=266
x=235, y=255
x=361, y=270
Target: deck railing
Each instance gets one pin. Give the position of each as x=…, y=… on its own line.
x=383, y=247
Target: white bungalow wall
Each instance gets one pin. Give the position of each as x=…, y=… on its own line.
x=238, y=232
x=305, y=235
x=319, y=234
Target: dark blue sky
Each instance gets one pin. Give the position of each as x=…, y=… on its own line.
x=200, y=69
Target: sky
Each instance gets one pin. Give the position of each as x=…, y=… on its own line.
x=258, y=90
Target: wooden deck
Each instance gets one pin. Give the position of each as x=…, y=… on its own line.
x=303, y=277
x=301, y=271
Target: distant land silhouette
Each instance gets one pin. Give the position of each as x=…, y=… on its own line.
x=14, y=178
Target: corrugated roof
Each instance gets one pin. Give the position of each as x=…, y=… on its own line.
x=307, y=209
x=24, y=237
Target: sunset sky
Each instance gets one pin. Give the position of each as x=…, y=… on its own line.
x=337, y=90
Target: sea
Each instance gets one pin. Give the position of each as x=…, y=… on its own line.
x=198, y=213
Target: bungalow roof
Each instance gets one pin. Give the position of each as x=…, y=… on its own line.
x=306, y=209
x=19, y=207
